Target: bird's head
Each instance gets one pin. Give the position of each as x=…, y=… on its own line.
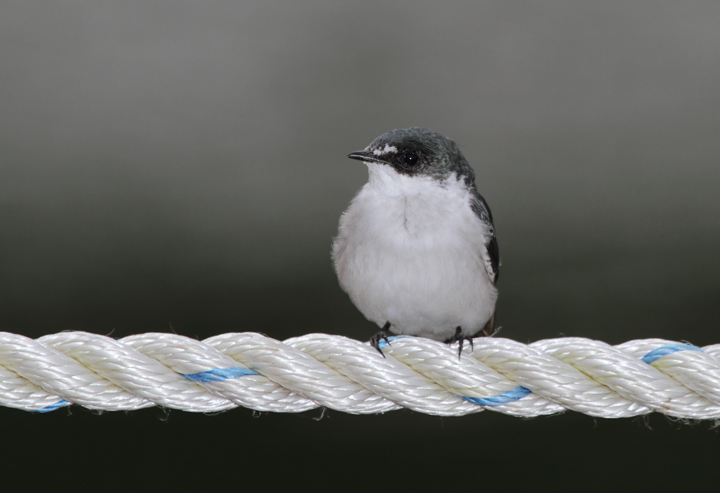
x=417, y=152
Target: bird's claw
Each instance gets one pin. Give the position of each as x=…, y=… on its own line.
x=460, y=338
x=382, y=335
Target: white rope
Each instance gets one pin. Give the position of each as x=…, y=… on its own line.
x=302, y=373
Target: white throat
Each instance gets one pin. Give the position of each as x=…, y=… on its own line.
x=385, y=180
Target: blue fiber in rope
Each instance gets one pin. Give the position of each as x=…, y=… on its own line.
x=499, y=400
x=384, y=343
x=52, y=407
x=668, y=349
x=218, y=374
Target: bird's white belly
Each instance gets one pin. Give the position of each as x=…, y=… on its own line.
x=416, y=260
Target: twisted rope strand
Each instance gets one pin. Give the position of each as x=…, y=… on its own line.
x=302, y=373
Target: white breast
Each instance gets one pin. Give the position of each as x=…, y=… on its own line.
x=411, y=251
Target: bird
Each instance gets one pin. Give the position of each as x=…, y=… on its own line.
x=416, y=249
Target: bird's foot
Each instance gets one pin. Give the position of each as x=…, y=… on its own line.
x=381, y=336
x=461, y=338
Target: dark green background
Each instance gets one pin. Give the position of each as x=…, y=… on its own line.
x=181, y=164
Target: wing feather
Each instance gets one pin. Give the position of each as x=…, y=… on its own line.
x=492, y=252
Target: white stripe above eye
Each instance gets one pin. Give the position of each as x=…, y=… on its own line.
x=388, y=149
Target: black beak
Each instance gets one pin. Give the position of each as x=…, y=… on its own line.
x=366, y=156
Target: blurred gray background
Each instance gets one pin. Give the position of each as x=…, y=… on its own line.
x=180, y=166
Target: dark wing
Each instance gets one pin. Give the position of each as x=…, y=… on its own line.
x=482, y=210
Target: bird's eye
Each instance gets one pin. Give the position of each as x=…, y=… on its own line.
x=410, y=159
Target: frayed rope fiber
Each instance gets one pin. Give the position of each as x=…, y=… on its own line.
x=319, y=370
